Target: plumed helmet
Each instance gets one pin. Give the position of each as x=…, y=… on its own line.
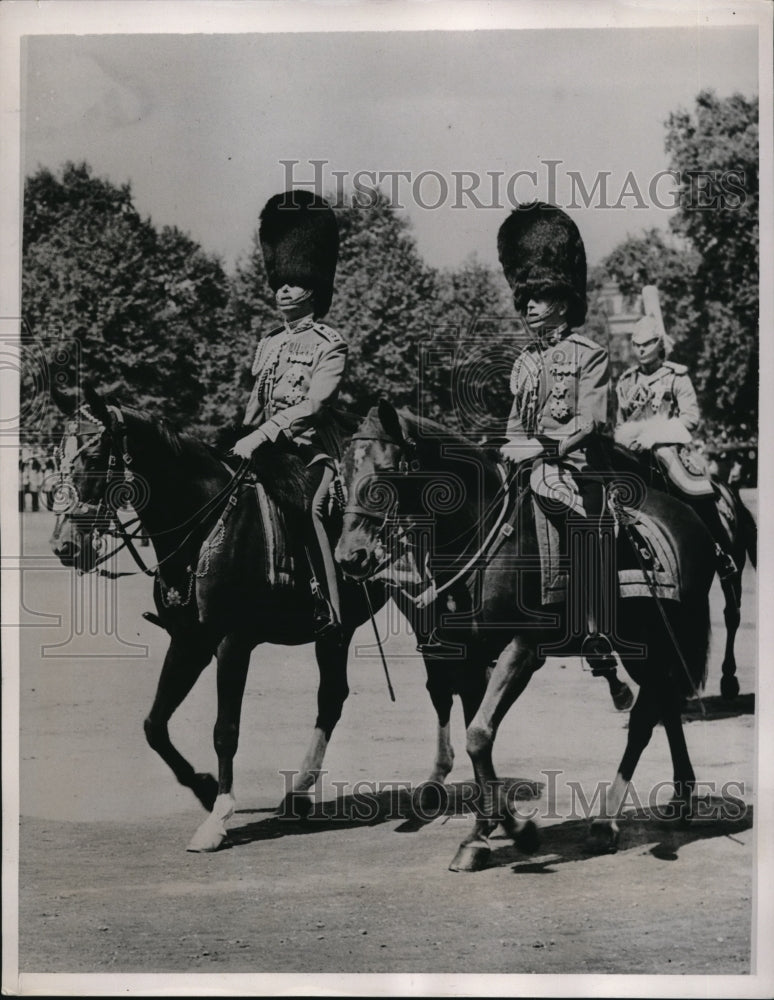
x=542, y=256
x=300, y=242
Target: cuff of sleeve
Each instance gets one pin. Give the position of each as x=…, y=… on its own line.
x=271, y=429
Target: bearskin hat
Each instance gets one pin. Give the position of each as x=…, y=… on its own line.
x=300, y=242
x=542, y=256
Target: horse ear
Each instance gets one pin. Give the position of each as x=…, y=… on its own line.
x=390, y=421
x=96, y=404
x=66, y=401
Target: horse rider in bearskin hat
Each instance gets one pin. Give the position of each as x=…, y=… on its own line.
x=298, y=367
x=560, y=385
x=657, y=411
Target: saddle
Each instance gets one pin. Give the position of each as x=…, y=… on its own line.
x=280, y=486
x=652, y=569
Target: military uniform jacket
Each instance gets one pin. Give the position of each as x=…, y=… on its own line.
x=297, y=373
x=559, y=389
x=666, y=392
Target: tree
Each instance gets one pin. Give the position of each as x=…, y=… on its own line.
x=715, y=153
x=471, y=354
x=652, y=259
x=136, y=309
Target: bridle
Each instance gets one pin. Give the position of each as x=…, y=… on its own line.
x=392, y=520
x=119, y=489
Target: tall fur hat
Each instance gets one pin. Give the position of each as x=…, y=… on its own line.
x=542, y=255
x=300, y=242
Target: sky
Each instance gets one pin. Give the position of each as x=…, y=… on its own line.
x=199, y=124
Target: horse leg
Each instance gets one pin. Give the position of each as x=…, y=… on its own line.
x=732, y=591
x=233, y=661
x=682, y=770
x=510, y=676
x=332, y=652
x=439, y=687
x=183, y=664
x=604, y=832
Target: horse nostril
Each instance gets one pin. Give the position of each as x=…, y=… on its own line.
x=354, y=559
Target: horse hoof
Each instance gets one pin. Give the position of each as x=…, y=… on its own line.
x=623, y=699
x=208, y=838
x=429, y=800
x=729, y=687
x=527, y=839
x=295, y=806
x=205, y=788
x=603, y=837
x=470, y=857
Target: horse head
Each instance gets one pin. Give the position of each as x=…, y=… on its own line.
x=84, y=511
x=380, y=455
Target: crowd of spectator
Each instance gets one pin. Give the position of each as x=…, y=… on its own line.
x=38, y=470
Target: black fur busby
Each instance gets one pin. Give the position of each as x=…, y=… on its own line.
x=542, y=256
x=300, y=241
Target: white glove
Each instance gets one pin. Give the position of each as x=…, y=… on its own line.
x=245, y=447
x=518, y=451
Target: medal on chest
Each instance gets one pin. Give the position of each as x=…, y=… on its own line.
x=561, y=379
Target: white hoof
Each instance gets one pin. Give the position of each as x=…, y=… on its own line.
x=212, y=832
x=209, y=837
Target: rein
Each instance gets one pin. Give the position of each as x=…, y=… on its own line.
x=431, y=593
x=117, y=528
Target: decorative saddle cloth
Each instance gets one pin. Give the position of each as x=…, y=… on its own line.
x=277, y=552
x=686, y=468
x=655, y=551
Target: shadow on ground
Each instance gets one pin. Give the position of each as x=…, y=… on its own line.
x=412, y=808
x=713, y=816
x=717, y=707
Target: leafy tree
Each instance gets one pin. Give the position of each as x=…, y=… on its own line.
x=142, y=307
x=652, y=259
x=474, y=343
x=715, y=151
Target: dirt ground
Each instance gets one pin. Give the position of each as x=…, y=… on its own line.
x=106, y=885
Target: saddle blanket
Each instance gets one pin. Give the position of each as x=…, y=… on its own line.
x=278, y=559
x=655, y=547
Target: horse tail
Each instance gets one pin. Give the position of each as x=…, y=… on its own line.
x=748, y=530
x=695, y=644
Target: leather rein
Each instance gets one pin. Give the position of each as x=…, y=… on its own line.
x=105, y=511
x=389, y=521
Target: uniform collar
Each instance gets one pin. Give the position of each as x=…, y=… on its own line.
x=299, y=325
x=654, y=375
x=551, y=338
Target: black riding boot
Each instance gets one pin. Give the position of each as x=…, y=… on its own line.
x=707, y=509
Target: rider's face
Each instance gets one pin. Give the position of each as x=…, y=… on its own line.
x=543, y=314
x=294, y=300
x=646, y=349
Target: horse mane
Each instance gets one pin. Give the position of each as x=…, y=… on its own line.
x=430, y=437
x=172, y=442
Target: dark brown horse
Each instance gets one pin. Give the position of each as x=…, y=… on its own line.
x=215, y=589
x=420, y=497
